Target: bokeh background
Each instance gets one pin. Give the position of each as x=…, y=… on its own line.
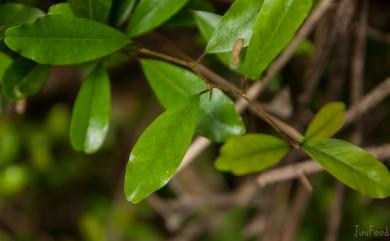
x=50, y=192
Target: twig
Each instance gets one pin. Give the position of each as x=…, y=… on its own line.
x=308, y=167
x=312, y=76
x=210, y=77
x=357, y=75
x=200, y=143
x=369, y=101
x=335, y=216
x=378, y=35
x=294, y=219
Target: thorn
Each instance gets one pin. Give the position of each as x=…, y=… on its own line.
x=243, y=87
x=210, y=87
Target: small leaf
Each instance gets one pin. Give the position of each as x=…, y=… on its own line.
x=218, y=119
x=237, y=23
x=251, y=153
x=91, y=112
x=24, y=78
x=15, y=14
x=160, y=149
x=326, y=122
x=351, y=165
x=120, y=11
x=149, y=14
x=61, y=39
x=275, y=25
x=61, y=9
x=94, y=9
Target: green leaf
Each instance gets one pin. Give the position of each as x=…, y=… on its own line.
x=93, y=9
x=5, y=62
x=218, y=118
x=61, y=9
x=353, y=166
x=251, y=153
x=24, y=78
x=91, y=112
x=15, y=14
x=237, y=23
x=120, y=11
x=207, y=23
x=149, y=14
x=60, y=39
x=160, y=149
x=275, y=26
x=326, y=122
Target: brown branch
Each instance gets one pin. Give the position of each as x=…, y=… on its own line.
x=286, y=131
x=335, y=216
x=200, y=143
x=378, y=35
x=368, y=102
x=295, y=217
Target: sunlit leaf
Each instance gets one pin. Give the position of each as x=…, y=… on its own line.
x=326, y=122
x=160, y=149
x=91, y=112
x=251, y=153
x=353, y=166
x=275, y=26
x=61, y=39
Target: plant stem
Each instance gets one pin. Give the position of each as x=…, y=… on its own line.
x=285, y=130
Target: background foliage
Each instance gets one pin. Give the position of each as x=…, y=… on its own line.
x=48, y=191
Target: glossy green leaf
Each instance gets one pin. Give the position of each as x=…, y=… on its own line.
x=353, y=166
x=24, y=78
x=149, y=14
x=160, y=150
x=91, y=112
x=120, y=11
x=61, y=39
x=326, y=122
x=207, y=23
x=236, y=23
x=61, y=9
x=251, y=153
x=275, y=26
x=93, y=9
x=15, y=14
x=5, y=62
x=218, y=118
